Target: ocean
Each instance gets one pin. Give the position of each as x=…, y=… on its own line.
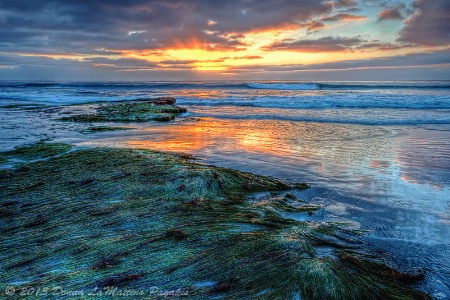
x=376, y=153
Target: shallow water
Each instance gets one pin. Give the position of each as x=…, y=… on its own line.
x=393, y=182
x=378, y=157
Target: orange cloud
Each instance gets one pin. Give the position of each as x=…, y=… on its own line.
x=343, y=17
x=248, y=57
x=326, y=44
x=391, y=13
x=211, y=22
x=315, y=25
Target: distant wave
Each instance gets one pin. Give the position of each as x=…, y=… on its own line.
x=284, y=86
x=158, y=85
x=332, y=102
x=29, y=84
x=89, y=92
x=334, y=120
x=226, y=85
x=347, y=86
x=351, y=86
x=40, y=84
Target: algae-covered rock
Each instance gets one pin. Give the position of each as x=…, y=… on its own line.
x=140, y=110
x=302, y=186
x=94, y=129
x=162, y=100
x=38, y=150
x=137, y=219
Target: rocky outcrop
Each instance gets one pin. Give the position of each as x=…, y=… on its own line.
x=139, y=110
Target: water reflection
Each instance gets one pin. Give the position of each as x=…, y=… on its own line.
x=378, y=163
x=341, y=143
x=424, y=158
x=375, y=164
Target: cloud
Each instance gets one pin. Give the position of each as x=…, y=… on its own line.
x=377, y=45
x=248, y=57
x=345, y=3
x=143, y=24
x=352, y=9
x=315, y=25
x=415, y=66
x=119, y=63
x=343, y=17
x=392, y=13
x=405, y=61
x=136, y=32
x=326, y=44
x=429, y=25
x=435, y=65
x=178, y=62
x=123, y=35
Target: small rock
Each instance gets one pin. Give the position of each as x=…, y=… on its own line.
x=164, y=101
x=302, y=186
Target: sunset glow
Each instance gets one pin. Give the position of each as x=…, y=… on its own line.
x=184, y=39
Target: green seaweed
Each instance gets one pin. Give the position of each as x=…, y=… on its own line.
x=3, y=159
x=139, y=219
x=94, y=129
x=302, y=186
x=38, y=150
x=141, y=110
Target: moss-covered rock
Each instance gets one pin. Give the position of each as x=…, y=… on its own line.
x=140, y=219
x=302, y=186
x=93, y=129
x=37, y=151
x=140, y=110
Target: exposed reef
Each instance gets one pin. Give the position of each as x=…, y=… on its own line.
x=139, y=110
x=94, y=129
x=36, y=151
x=141, y=219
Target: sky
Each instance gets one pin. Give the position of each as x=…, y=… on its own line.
x=102, y=40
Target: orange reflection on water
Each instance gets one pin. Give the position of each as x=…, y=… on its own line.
x=199, y=136
x=376, y=164
x=291, y=140
x=405, y=178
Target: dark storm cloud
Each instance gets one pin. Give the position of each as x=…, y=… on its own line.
x=83, y=25
x=326, y=44
x=429, y=25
